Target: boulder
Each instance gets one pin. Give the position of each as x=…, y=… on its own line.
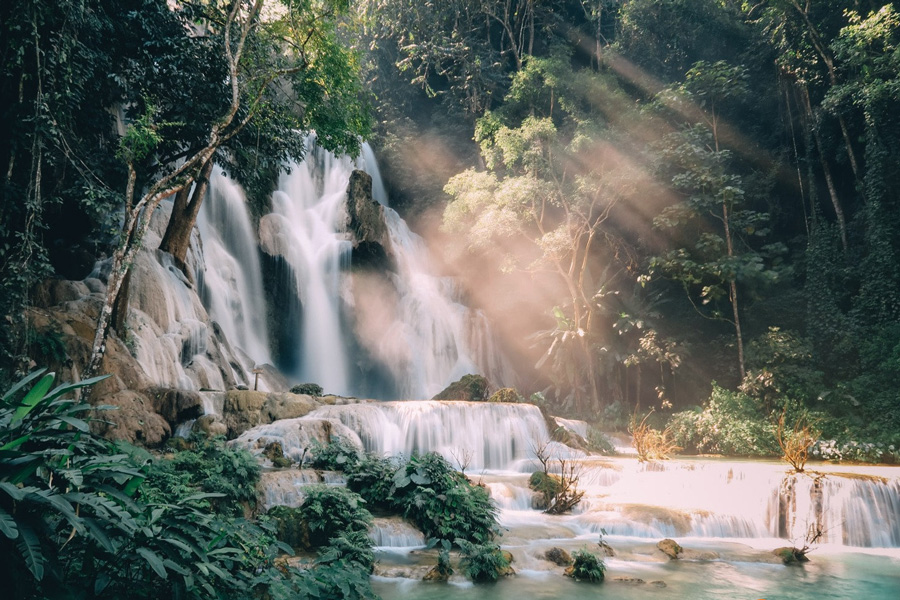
x=211, y=425
x=670, y=548
x=242, y=410
x=506, y=395
x=470, y=388
x=368, y=229
x=174, y=405
x=558, y=556
x=132, y=419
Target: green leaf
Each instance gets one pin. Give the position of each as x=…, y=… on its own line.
x=30, y=548
x=32, y=398
x=22, y=383
x=154, y=561
x=8, y=525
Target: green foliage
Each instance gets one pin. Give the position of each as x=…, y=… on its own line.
x=209, y=467
x=598, y=442
x=781, y=370
x=310, y=389
x=290, y=526
x=730, y=423
x=482, y=562
x=545, y=484
x=338, y=455
x=442, y=503
x=373, y=479
x=587, y=567
x=331, y=511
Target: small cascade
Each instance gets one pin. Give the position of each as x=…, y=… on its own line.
x=231, y=284
x=395, y=533
x=478, y=435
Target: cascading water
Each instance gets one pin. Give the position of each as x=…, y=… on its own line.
x=423, y=337
x=231, y=286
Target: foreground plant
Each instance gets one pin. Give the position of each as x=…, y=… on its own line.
x=796, y=442
x=587, y=567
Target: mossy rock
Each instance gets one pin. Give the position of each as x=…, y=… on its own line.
x=670, y=548
x=506, y=395
x=471, y=388
x=558, y=556
x=790, y=556
x=308, y=389
x=547, y=487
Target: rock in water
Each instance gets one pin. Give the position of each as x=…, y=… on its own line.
x=670, y=548
x=471, y=388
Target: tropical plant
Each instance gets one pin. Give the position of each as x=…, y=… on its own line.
x=483, y=562
x=338, y=454
x=587, y=567
x=331, y=511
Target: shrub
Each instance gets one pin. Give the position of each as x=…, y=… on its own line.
x=308, y=389
x=338, y=455
x=587, y=567
x=373, y=479
x=598, y=442
x=729, y=424
x=482, y=562
x=209, y=467
x=795, y=444
x=650, y=443
x=331, y=511
x=442, y=502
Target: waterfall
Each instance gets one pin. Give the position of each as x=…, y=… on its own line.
x=232, y=287
x=407, y=327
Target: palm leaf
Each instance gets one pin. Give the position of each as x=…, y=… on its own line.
x=30, y=548
x=8, y=525
x=33, y=397
x=22, y=383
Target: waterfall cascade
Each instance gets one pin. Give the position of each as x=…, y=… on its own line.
x=404, y=326
x=689, y=498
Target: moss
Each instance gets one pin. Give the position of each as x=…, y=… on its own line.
x=506, y=395
x=471, y=388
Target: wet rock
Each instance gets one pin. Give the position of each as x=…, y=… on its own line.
x=629, y=580
x=175, y=405
x=211, y=425
x=53, y=292
x=287, y=406
x=368, y=229
x=506, y=395
x=659, y=584
x=470, y=388
x=558, y=556
x=670, y=548
x=437, y=574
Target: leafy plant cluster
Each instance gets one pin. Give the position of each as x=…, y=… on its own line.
x=80, y=515
x=587, y=567
x=425, y=488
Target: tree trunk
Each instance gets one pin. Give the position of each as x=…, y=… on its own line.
x=120, y=307
x=826, y=170
x=177, y=239
x=733, y=292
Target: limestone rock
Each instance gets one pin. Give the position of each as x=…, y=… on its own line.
x=211, y=425
x=174, y=405
x=670, y=548
x=53, y=292
x=470, y=388
x=371, y=241
x=558, y=556
x=243, y=410
x=133, y=420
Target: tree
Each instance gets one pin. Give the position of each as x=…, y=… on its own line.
x=551, y=187
x=273, y=63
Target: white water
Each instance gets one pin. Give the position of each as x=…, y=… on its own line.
x=232, y=283
x=728, y=515
x=418, y=332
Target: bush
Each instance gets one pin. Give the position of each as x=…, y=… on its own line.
x=308, y=389
x=650, y=443
x=599, y=443
x=442, y=502
x=730, y=424
x=506, y=395
x=209, y=467
x=483, y=562
x=338, y=455
x=373, y=479
x=587, y=567
x=330, y=511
